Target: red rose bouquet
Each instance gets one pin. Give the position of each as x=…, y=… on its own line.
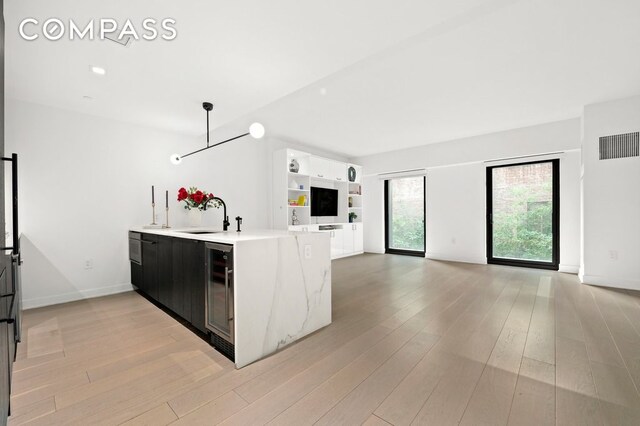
x=197, y=199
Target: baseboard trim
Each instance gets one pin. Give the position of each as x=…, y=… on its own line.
x=601, y=281
x=40, y=302
x=476, y=260
x=569, y=269
x=374, y=251
x=342, y=256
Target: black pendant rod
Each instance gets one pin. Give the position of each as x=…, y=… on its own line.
x=208, y=106
x=219, y=143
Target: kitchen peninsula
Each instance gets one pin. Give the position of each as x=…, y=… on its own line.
x=251, y=292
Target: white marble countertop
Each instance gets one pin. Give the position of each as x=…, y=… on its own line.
x=217, y=236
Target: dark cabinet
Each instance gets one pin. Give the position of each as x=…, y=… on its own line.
x=150, y=265
x=11, y=339
x=193, y=266
x=165, y=274
x=173, y=274
x=6, y=343
x=136, y=275
x=5, y=366
x=8, y=335
x=178, y=288
x=174, y=290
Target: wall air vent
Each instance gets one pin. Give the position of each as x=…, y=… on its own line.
x=620, y=146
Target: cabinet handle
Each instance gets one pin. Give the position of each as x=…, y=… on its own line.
x=319, y=175
x=148, y=242
x=339, y=178
x=226, y=292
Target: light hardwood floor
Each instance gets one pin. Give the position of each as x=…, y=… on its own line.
x=412, y=342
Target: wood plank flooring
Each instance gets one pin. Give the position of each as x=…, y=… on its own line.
x=413, y=341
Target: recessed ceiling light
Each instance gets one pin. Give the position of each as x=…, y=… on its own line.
x=98, y=70
x=323, y=91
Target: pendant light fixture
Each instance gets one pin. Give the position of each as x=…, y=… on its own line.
x=256, y=130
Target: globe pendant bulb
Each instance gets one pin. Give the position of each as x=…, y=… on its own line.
x=256, y=130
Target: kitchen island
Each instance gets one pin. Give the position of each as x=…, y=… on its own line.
x=252, y=292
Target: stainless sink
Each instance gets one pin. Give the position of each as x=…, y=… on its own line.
x=199, y=232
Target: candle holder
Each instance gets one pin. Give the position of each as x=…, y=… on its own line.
x=166, y=225
x=153, y=213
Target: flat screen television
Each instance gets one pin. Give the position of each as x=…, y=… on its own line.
x=324, y=201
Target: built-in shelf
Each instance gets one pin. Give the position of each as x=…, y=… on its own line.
x=314, y=171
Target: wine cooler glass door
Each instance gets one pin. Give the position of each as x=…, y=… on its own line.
x=220, y=290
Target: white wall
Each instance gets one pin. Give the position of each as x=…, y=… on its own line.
x=570, y=212
x=456, y=203
x=372, y=213
x=84, y=181
x=456, y=213
x=611, y=201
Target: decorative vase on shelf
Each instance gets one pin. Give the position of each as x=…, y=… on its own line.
x=351, y=172
x=195, y=217
x=294, y=166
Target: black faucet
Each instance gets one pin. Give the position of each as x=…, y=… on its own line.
x=225, y=220
x=239, y=220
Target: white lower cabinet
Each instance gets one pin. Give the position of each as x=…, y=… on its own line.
x=337, y=243
x=346, y=238
x=353, y=238
x=358, y=237
x=347, y=244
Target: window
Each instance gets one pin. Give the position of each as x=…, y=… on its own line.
x=522, y=214
x=405, y=216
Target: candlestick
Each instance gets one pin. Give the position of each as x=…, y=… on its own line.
x=167, y=199
x=166, y=225
x=153, y=214
x=153, y=194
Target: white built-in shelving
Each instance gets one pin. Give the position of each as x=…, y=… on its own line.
x=292, y=196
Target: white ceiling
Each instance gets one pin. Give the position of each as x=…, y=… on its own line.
x=396, y=74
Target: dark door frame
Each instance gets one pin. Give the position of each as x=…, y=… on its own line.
x=555, y=218
x=404, y=252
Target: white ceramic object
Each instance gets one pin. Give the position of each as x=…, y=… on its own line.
x=195, y=217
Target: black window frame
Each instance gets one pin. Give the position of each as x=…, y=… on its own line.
x=555, y=218
x=404, y=252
